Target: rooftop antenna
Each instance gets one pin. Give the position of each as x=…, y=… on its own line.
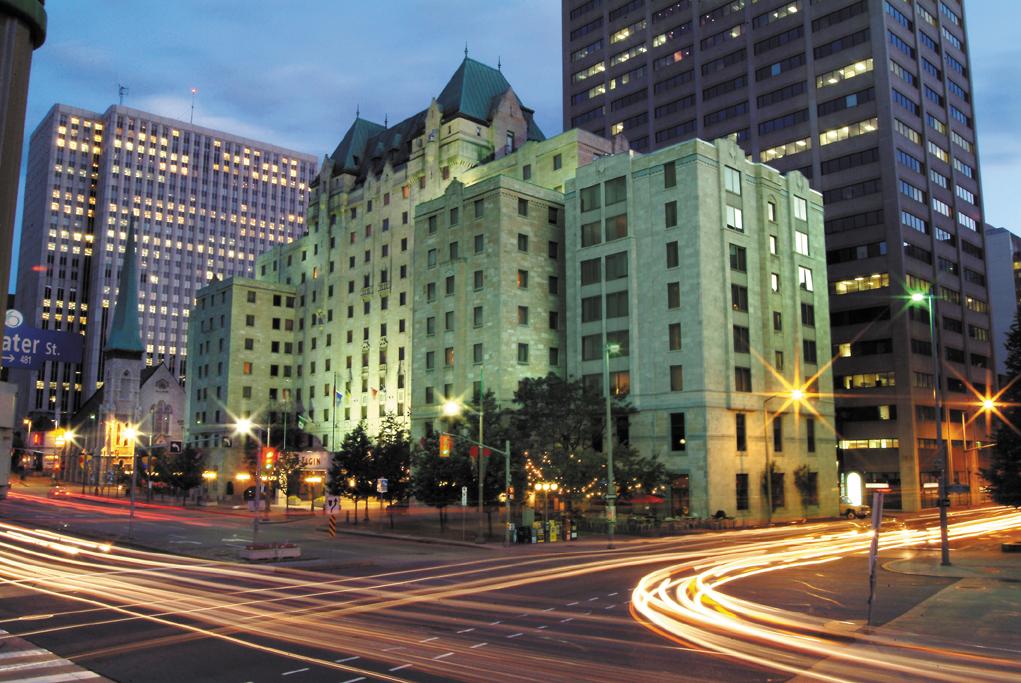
x=194, y=91
x=358, y=111
x=499, y=66
x=122, y=90
x=386, y=120
x=466, y=49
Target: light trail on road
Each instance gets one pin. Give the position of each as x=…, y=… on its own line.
x=686, y=604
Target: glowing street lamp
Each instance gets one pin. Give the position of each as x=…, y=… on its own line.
x=931, y=302
x=246, y=427
x=611, y=488
x=796, y=396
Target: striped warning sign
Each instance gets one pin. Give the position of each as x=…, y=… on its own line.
x=333, y=525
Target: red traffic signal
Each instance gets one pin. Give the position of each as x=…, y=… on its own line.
x=269, y=457
x=474, y=452
x=446, y=445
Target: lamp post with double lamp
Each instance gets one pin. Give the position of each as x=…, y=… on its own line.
x=931, y=300
x=245, y=427
x=611, y=488
x=546, y=487
x=131, y=434
x=453, y=409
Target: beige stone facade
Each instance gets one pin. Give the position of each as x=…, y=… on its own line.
x=717, y=300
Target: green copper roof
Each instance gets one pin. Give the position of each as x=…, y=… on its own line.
x=124, y=334
x=349, y=153
x=471, y=92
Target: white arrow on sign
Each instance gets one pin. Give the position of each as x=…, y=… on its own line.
x=332, y=504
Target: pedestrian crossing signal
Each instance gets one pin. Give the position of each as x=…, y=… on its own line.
x=446, y=445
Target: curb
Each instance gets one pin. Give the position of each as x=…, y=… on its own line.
x=416, y=539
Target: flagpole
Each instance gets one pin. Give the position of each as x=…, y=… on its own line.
x=333, y=432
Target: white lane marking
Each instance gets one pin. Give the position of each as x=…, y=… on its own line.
x=610, y=606
x=572, y=604
x=443, y=656
x=61, y=678
x=592, y=599
x=541, y=627
x=549, y=609
x=523, y=614
x=610, y=595
x=478, y=645
x=494, y=623
x=392, y=649
x=349, y=659
x=398, y=668
x=466, y=630
x=355, y=680
x=564, y=621
x=296, y=671
x=429, y=640
x=48, y=664
x=24, y=653
x=515, y=635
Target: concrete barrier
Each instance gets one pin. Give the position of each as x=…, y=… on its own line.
x=269, y=551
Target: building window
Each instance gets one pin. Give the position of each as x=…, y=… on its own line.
x=778, y=434
x=741, y=491
x=738, y=258
x=741, y=432
x=669, y=174
x=674, y=336
x=670, y=214
x=771, y=211
x=522, y=206
x=522, y=315
x=800, y=209
x=810, y=434
x=522, y=242
x=526, y=172
x=522, y=279
x=522, y=353
x=616, y=305
x=673, y=295
x=246, y=368
x=774, y=282
x=732, y=179
x=805, y=279
x=672, y=257
x=735, y=220
x=676, y=378
x=801, y=242
x=590, y=271
x=739, y=298
x=741, y=339
x=742, y=379
x=678, y=436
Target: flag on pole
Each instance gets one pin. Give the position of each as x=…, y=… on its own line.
x=302, y=420
x=339, y=396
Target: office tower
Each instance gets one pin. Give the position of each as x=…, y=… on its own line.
x=206, y=202
x=1004, y=287
x=871, y=101
x=695, y=287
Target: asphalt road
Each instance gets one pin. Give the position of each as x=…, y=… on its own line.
x=375, y=609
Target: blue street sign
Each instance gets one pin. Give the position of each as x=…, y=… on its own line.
x=30, y=347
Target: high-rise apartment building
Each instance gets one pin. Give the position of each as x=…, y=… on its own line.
x=871, y=100
x=695, y=279
x=207, y=202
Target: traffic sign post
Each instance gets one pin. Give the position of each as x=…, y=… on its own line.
x=332, y=505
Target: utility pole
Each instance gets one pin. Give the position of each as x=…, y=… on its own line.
x=507, y=489
x=194, y=91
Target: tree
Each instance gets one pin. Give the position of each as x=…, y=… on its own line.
x=437, y=481
x=635, y=473
x=286, y=472
x=354, y=463
x=183, y=470
x=807, y=484
x=1004, y=472
x=392, y=459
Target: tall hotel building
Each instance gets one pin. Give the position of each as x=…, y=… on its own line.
x=206, y=203
x=871, y=100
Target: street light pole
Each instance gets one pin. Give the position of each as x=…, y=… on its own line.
x=768, y=471
x=941, y=452
x=507, y=493
x=481, y=536
x=611, y=488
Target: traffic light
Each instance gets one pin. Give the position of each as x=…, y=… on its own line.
x=446, y=445
x=269, y=457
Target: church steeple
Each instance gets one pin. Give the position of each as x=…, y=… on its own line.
x=124, y=334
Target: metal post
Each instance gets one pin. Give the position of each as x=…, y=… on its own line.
x=937, y=390
x=481, y=536
x=769, y=471
x=507, y=492
x=877, y=520
x=611, y=489
x=258, y=498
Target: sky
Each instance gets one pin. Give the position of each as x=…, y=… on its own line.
x=294, y=73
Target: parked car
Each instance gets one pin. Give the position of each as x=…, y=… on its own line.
x=852, y=511
x=58, y=492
